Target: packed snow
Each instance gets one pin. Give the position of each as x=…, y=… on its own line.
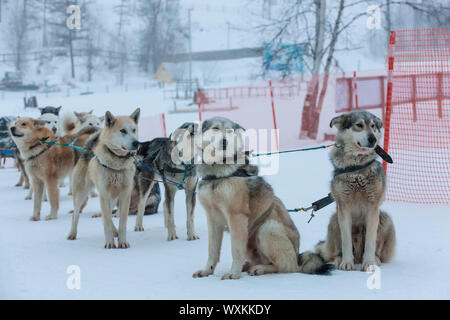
x=35, y=256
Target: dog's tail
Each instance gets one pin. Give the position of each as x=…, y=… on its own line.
x=68, y=124
x=312, y=263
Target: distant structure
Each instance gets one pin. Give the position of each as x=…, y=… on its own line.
x=162, y=76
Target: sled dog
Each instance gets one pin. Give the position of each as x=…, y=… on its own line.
x=73, y=122
x=264, y=239
x=359, y=232
x=45, y=164
x=107, y=163
x=160, y=154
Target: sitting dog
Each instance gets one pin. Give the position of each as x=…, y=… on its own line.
x=359, y=232
x=264, y=239
x=107, y=164
x=162, y=154
x=46, y=164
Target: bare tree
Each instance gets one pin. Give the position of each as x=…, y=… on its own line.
x=124, y=12
x=319, y=24
x=60, y=34
x=161, y=33
x=17, y=35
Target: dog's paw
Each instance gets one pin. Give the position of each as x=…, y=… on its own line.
x=123, y=245
x=18, y=185
x=347, y=266
x=94, y=194
x=50, y=217
x=69, y=193
x=229, y=276
x=256, y=270
x=33, y=218
x=110, y=245
x=202, y=273
x=369, y=266
x=171, y=237
x=139, y=228
x=337, y=261
x=27, y=187
x=192, y=237
x=96, y=215
x=71, y=236
x=28, y=197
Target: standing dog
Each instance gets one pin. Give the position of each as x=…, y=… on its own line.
x=46, y=164
x=359, y=232
x=163, y=154
x=264, y=239
x=107, y=164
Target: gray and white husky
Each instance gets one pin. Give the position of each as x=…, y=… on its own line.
x=359, y=232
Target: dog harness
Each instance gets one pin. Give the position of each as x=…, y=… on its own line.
x=39, y=153
x=350, y=169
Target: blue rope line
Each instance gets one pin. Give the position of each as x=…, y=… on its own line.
x=177, y=184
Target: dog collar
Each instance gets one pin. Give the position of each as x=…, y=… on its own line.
x=349, y=169
x=238, y=173
x=127, y=156
x=105, y=166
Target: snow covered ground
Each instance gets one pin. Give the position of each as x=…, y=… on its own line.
x=35, y=256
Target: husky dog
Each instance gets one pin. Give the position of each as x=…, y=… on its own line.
x=163, y=154
x=107, y=164
x=51, y=122
x=264, y=239
x=359, y=232
x=46, y=164
x=50, y=110
x=73, y=122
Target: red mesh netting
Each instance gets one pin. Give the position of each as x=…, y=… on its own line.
x=418, y=118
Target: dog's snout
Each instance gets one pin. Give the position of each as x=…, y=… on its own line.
x=13, y=129
x=135, y=144
x=372, y=140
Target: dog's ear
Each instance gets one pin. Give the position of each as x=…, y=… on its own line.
x=90, y=112
x=206, y=125
x=237, y=126
x=109, y=119
x=135, y=115
x=44, y=134
x=39, y=123
x=79, y=116
x=58, y=109
x=42, y=110
x=179, y=133
x=378, y=122
x=341, y=122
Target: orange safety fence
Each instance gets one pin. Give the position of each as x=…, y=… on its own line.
x=417, y=133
